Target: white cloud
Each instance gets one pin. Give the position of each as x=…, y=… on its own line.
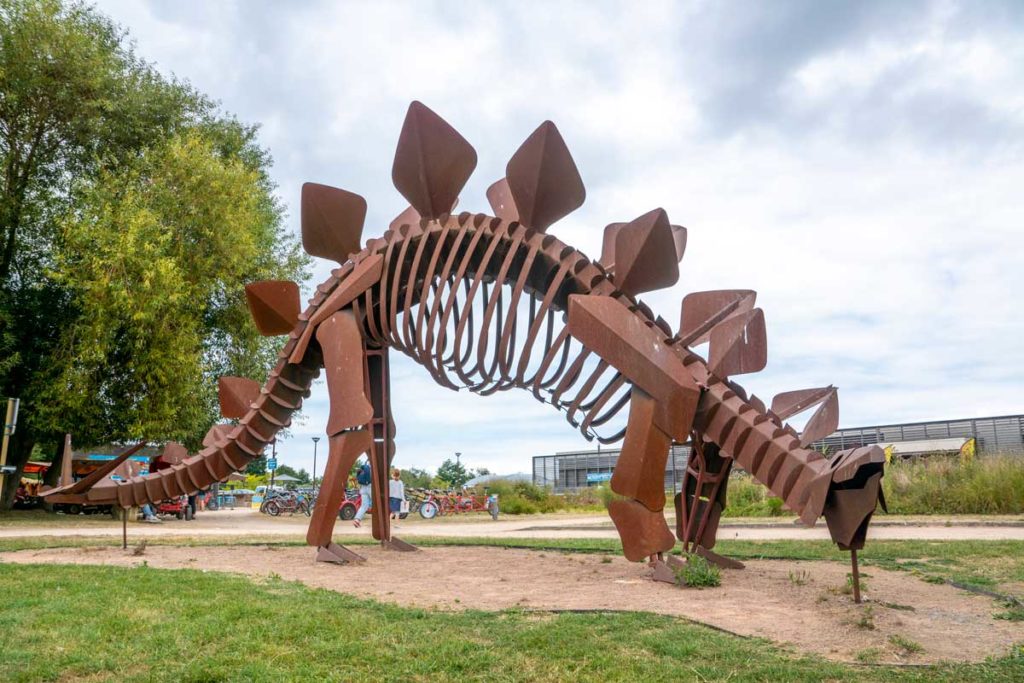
x=859, y=166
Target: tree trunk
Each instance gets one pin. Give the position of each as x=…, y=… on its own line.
x=52, y=476
x=18, y=452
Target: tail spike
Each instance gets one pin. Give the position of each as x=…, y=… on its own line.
x=217, y=434
x=332, y=221
x=236, y=394
x=274, y=305
x=432, y=162
x=739, y=345
x=543, y=179
x=173, y=453
x=702, y=311
x=825, y=419
x=499, y=196
x=645, y=254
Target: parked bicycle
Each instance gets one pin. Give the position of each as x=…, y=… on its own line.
x=279, y=502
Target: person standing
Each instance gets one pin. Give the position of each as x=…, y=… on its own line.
x=364, y=477
x=396, y=493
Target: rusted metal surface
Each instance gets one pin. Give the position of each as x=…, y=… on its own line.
x=543, y=179
x=491, y=303
x=78, y=491
x=643, y=532
x=640, y=469
x=704, y=311
x=645, y=254
x=739, y=345
x=343, y=449
x=332, y=221
x=342, y=346
x=700, y=504
x=499, y=196
x=274, y=305
x=432, y=162
x=236, y=394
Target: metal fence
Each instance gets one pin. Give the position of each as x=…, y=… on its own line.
x=579, y=469
x=992, y=434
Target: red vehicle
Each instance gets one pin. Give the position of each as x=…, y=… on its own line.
x=431, y=503
x=175, y=506
x=350, y=506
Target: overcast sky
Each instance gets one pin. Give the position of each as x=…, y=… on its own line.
x=858, y=164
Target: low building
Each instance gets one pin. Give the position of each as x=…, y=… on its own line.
x=1005, y=434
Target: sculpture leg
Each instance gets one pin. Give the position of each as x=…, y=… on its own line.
x=382, y=448
x=344, y=364
x=640, y=476
x=344, y=448
x=699, y=505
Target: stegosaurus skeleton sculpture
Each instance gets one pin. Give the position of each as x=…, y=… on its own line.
x=493, y=302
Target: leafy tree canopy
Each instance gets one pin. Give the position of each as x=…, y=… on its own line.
x=454, y=472
x=132, y=213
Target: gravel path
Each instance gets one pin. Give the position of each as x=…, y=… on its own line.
x=250, y=523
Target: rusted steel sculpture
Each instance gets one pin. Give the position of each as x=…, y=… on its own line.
x=490, y=303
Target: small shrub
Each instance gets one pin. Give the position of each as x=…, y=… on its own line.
x=905, y=645
x=869, y=656
x=696, y=572
x=1014, y=612
x=847, y=588
x=799, y=578
x=867, y=619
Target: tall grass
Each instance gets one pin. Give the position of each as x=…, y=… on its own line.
x=938, y=485
x=984, y=486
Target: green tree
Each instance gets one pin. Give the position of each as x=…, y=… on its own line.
x=416, y=478
x=132, y=213
x=301, y=475
x=454, y=473
x=257, y=466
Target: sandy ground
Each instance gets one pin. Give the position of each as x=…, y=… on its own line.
x=250, y=522
x=798, y=605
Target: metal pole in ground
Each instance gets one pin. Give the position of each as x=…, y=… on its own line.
x=856, y=576
x=316, y=439
x=9, y=423
x=124, y=528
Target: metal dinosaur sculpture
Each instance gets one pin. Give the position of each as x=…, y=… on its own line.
x=490, y=303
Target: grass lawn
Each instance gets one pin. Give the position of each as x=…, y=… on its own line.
x=106, y=623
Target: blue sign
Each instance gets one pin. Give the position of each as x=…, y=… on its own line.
x=593, y=477
x=271, y=464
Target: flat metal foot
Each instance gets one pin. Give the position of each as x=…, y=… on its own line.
x=663, y=572
x=399, y=545
x=332, y=552
x=720, y=560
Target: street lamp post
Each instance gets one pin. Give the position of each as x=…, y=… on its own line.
x=315, y=440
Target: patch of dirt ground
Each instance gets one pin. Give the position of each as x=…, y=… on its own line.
x=798, y=605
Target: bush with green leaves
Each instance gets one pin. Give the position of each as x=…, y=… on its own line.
x=696, y=572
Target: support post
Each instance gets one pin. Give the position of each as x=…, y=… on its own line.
x=856, y=575
x=124, y=528
x=9, y=423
